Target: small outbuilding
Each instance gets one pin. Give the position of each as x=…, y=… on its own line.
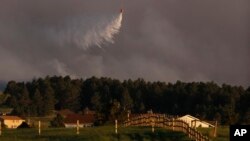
x=195, y=122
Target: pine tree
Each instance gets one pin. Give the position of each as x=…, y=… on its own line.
x=37, y=103
x=48, y=101
x=24, y=102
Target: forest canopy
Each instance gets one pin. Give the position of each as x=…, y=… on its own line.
x=112, y=98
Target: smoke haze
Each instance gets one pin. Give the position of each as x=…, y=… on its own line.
x=165, y=40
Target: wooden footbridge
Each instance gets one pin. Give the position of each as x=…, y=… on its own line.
x=163, y=121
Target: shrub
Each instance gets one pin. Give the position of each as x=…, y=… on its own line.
x=57, y=121
x=23, y=125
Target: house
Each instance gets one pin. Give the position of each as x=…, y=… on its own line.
x=11, y=121
x=86, y=120
x=195, y=122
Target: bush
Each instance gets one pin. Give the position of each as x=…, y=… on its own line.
x=3, y=126
x=57, y=121
x=23, y=125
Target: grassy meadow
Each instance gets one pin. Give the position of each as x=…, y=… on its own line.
x=104, y=133
x=222, y=133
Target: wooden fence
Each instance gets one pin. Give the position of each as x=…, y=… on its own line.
x=163, y=121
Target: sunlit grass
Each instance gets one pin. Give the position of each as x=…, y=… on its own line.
x=222, y=133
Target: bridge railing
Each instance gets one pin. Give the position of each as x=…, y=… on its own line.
x=163, y=121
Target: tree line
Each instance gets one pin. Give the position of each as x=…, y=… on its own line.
x=112, y=98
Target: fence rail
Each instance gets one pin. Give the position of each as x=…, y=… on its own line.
x=163, y=121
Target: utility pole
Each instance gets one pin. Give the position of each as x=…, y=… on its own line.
x=0, y=128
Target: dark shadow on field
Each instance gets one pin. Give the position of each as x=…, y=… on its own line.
x=116, y=137
x=135, y=137
x=64, y=138
x=167, y=136
x=159, y=135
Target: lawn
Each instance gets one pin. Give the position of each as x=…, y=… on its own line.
x=104, y=133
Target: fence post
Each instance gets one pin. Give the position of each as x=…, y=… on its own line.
x=173, y=124
x=182, y=127
x=77, y=127
x=196, y=135
x=153, y=128
x=29, y=121
x=128, y=115
x=0, y=128
x=189, y=134
x=116, y=126
x=39, y=127
x=215, y=129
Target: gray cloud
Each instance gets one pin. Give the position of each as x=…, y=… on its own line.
x=164, y=40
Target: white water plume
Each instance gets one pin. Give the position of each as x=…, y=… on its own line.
x=89, y=32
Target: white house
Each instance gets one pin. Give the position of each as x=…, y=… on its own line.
x=195, y=122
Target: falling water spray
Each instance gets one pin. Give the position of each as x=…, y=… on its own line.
x=85, y=33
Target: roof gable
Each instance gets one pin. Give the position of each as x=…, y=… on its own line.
x=194, y=118
x=10, y=118
x=189, y=116
x=204, y=122
x=72, y=119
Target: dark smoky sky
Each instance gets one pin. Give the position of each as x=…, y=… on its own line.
x=165, y=40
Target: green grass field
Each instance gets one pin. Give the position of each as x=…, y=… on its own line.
x=222, y=133
x=104, y=133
